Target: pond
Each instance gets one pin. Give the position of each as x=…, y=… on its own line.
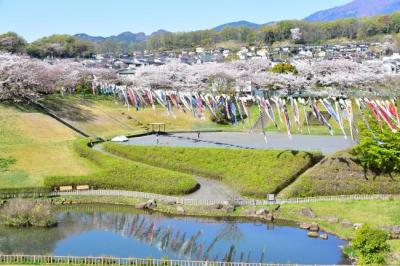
x=126, y=233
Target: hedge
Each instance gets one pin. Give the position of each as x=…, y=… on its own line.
x=253, y=173
x=118, y=173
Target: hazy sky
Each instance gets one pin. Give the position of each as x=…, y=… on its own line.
x=36, y=18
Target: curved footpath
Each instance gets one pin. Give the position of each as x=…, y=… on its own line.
x=209, y=189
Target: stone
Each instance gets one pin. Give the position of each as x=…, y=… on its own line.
x=304, y=226
x=180, y=210
x=346, y=224
x=228, y=208
x=141, y=206
x=250, y=212
x=261, y=212
x=307, y=212
x=312, y=234
x=357, y=226
x=394, y=231
x=218, y=206
x=314, y=227
x=269, y=217
x=332, y=219
x=150, y=204
x=323, y=236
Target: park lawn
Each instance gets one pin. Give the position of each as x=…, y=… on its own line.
x=103, y=116
x=122, y=174
x=341, y=174
x=253, y=173
x=40, y=145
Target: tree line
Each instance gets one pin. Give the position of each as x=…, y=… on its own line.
x=289, y=31
x=308, y=33
x=59, y=46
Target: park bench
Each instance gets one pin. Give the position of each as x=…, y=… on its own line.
x=65, y=188
x=83, y=187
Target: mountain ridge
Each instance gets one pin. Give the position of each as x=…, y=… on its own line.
x=356, y=9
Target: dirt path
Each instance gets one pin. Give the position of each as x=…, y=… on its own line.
x=209, y=189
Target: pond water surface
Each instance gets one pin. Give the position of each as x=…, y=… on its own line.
x=134, y=234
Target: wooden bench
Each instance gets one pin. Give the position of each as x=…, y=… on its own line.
x=65, y=188
x=83, y=187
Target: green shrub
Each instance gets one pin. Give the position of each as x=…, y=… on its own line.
x=284, y=68
x=123, y=174
x=253, y=173
x=370, y=245
x=379, y=153
x=23, y=213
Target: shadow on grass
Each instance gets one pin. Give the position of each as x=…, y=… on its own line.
x=69, y=110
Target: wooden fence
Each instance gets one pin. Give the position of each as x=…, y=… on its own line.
x=210, y=202
x=74, y=260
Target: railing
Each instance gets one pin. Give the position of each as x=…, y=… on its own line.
x=74, y=260
x=210, y=202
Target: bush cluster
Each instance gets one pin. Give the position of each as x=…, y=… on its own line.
x=123, y=174
x=379, y=148
x=24, y=213
x=253, y=173
x=370, y=246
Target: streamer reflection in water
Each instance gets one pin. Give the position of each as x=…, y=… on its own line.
x=118, y=234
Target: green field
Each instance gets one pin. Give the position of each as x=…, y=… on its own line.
x=118, y=173
x=39, y=145
x=253, y=173
x=341, y=174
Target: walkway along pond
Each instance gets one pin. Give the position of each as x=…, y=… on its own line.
x=122, y=232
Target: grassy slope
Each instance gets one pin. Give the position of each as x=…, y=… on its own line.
x=117, y=173
x=340, y=174
x=253, y=173
x=40, y=145
x=104, y=117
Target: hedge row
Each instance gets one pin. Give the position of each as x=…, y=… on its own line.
x=125, y=175
x=253, y=173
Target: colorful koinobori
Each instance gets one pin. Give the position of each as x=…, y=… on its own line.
x=289, y=110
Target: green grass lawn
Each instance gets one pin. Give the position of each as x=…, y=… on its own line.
x=39, y=145
x=253, y=173
x=118, y=173
x=341, y=174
